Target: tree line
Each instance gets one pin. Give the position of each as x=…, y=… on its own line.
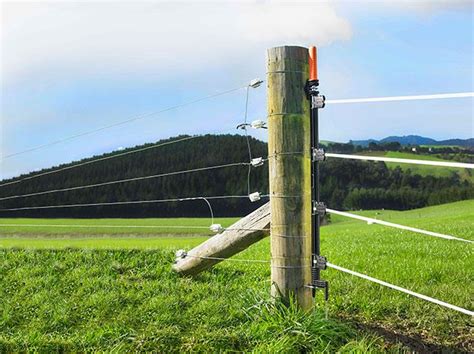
x=345, y=184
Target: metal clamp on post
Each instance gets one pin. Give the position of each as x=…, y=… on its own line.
x=255, y=83
x=318, y=101
x=180, y=254
x=322, y=284
x=312, y=89
x=319, y=208
x=318, y=154
x=320, y=262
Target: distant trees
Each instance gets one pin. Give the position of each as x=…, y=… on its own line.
x=344, y=183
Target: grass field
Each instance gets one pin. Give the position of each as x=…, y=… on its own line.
x=422, y=170
x=98, y=227
x=61, y=290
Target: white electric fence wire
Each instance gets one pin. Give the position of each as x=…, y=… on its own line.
x=154, y=146
x=125, y=180
x=403, y=290
x=125, y=202
x=133, y=119
x=402, y=98
x=397, y=160
x=397, y=226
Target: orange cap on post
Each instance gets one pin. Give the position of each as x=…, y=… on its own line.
x=313, y=64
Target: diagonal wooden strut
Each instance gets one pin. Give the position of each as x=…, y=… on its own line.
x=233, y=240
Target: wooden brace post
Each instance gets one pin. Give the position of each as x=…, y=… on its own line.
x=233, y=240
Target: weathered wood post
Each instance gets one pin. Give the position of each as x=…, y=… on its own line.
x=235, y=239
x=289, y=149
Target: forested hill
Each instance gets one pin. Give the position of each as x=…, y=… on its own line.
x=199, y=152
x=417, y=140
x=345, y=184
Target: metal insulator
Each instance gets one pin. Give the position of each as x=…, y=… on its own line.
x=318, y=101
x=319, y=208
x=255, y=83
x=319, y=155
x=254, y=196
x=258, y=124
x=217, y=228
x=256, y=162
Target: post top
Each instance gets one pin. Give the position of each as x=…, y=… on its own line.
x=294, y=52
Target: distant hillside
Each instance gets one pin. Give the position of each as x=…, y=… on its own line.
x=458, y=142
x=204, y=151
x=416, y=140
x=344, y=184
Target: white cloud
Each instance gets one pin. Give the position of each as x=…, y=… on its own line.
x=94, y=37
x=419, y=6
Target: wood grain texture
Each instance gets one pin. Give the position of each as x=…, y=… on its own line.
x=227, y=243
x=290, y=173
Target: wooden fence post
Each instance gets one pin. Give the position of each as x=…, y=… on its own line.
x=290, y=174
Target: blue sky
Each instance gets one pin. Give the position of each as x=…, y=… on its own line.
x=69, y=67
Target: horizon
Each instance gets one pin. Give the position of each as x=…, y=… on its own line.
x=76, y=77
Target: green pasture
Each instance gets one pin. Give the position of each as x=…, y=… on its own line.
x=64, y=291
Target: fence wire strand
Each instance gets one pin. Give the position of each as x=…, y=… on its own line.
x=133, y=179
x=436, y=96
x=116, y=124
x=190, y=227
x=407, y=161
x=171, y=200
x=403, y=290
x=397, y=226
x=154, y=146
